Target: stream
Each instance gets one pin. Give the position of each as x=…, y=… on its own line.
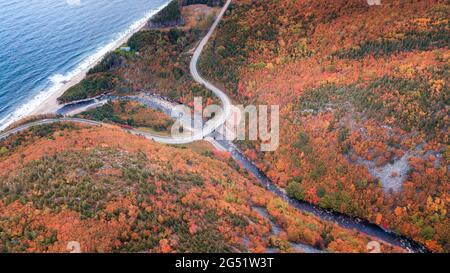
x=341, y=219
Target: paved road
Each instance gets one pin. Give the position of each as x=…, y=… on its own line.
x=340, y=219
x=219, y=119
x=211, y=125
x=45, y=122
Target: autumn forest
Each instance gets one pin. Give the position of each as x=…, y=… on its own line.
x=364, y=131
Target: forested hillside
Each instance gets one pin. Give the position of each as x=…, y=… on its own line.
x=130, y=113
x=364, y=107
x=170, y=16
x=114, y=192
x=158, y=61
x=364, y=103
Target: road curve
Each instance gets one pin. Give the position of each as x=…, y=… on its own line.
x=48, y=121
x=326, y=215
x=219, y=119
x=27, y=126
x=209, y=127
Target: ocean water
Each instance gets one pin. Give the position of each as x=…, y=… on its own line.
x=44, y=43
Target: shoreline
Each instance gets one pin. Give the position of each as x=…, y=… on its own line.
x=50, y=104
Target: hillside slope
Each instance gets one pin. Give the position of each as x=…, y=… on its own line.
x=115, y=192
x=158, y=62
x=364, y=103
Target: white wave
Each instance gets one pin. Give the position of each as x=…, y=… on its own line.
x=58, y=80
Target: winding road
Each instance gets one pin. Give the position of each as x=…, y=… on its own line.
x=220, y=119
x=27, y=126
x=209, y=133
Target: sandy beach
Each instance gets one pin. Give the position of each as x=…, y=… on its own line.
x=51, y=104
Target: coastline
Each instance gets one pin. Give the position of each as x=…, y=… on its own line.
x=50, y=104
